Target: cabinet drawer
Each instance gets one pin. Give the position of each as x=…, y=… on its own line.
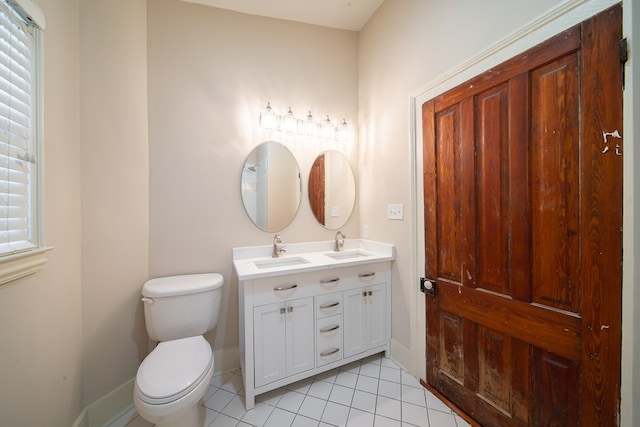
x=328, y=340
x=328, y=305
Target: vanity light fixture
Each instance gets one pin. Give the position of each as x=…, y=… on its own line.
x=290, y=122
x=308, y=126
x=268, y=119
x=328, y=129
x=343, y=131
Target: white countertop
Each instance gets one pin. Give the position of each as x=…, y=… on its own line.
x=253, y=262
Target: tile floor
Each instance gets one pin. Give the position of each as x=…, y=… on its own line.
x=370, y=392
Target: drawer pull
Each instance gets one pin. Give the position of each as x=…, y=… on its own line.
x=329, y=329
x=329, y=352
x=285, y=288
x=363, y=275
x=325, y=281
x=331, y=305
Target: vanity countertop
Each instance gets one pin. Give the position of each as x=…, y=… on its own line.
x=254, y=262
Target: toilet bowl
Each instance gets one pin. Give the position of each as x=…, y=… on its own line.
x=174, y=377
x=172, y=380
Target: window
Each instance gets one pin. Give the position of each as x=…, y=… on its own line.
x=20, y=232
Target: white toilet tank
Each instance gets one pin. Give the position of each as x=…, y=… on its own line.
x=181, y=306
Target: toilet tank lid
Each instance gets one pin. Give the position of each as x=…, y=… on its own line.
x=182, y=285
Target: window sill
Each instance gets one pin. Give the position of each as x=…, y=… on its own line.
x=19, y=265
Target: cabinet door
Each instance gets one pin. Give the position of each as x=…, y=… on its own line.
x=269, y=341
x=300, y=336
x=376, y=310
x=355, y=325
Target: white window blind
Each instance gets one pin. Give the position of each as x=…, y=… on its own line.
x=18, y=154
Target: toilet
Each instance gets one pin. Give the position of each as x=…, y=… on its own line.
x=173, y=378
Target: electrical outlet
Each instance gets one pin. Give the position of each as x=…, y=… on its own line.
x=395, y=211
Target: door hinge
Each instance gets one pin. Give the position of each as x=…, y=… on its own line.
x=624, y=57
x=624, y=51
x=428, y=286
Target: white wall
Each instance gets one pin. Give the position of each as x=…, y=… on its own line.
x=40, y=316
x=211, y=73
x=115, y=191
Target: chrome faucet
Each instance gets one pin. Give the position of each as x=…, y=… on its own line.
x=340, y=236
x=277, y=250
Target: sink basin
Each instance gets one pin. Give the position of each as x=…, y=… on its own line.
x=347, y=255
x=281, y=262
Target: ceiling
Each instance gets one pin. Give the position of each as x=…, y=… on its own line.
x=343, y=14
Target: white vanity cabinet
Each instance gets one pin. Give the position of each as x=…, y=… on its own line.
x=300, y=323
x=365, y=315
x=283, y=345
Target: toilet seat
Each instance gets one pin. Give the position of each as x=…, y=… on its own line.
x=173, y=369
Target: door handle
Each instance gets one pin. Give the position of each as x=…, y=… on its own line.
x=428, y=286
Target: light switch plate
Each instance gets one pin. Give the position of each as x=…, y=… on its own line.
x=395, y=211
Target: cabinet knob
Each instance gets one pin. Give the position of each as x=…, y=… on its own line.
x=329, y=329
x=333, y=280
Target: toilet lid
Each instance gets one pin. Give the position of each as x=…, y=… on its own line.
x=173, y=369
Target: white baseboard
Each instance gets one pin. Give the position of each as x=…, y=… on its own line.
x=117, y=402
x=401, y=355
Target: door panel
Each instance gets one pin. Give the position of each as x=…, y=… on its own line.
x=523, y=234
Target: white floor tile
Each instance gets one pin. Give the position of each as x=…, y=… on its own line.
x=386, y=422
x=234, y=384
x=219, y=400
x=410, y=380
x=440, y=419
x=390, y=374
x=320, y=389
x=301, y=421
x=389, y=408
x=364, y=401
x=258, y=415
x=461, y=423
x=301, y=386
x=223, y=420
x=368, y=384
x=434, y=403
x=335, y=414
x=414, y=414
x=328, y=376
x=341, y=395
x=271, y=397
x=390, y=389
x=235, y=408
x=312, y=407
x=368, y=393
x=218, y=379
x=347, y=379
x=280, y=418
x=358, y=418
x=291, y=401
x=413, y=395
x=353, y=367
x=388, y=363
x=370, y=370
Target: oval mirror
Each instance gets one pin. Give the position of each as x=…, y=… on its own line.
x=332, y=189
x=271, y=186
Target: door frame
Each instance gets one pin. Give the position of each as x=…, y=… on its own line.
x=556, y=20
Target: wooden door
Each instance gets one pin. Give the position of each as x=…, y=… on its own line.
x=523, y=217
x=316, y=188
